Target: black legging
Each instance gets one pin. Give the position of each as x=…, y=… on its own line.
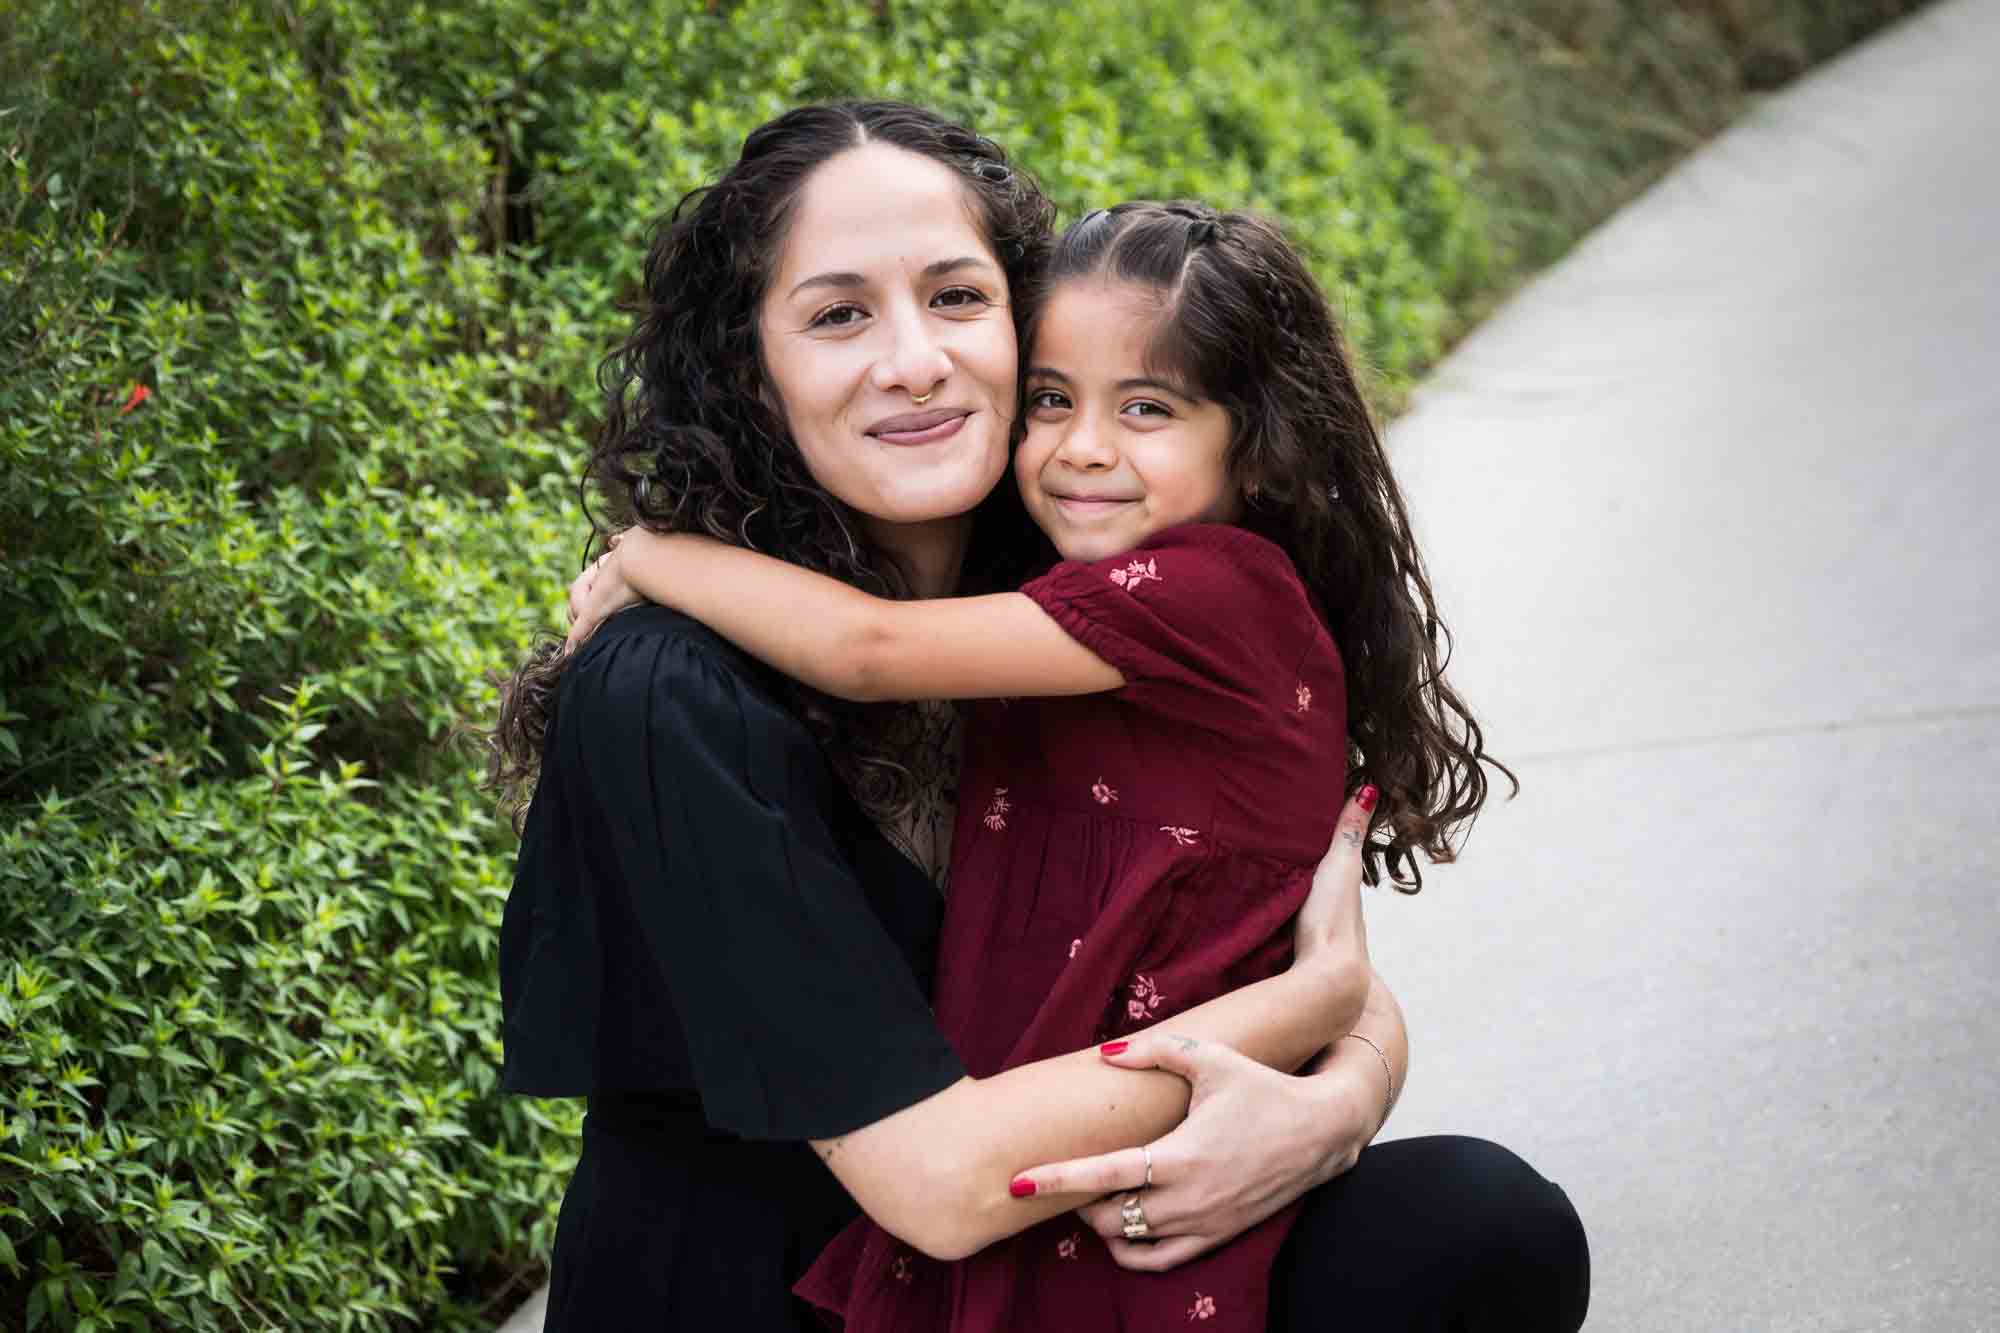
x=1434, y=1235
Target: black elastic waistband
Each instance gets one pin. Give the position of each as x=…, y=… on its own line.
x=665, y=1113
x=662, y=1128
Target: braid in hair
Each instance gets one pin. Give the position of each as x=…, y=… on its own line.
x=1243, y=322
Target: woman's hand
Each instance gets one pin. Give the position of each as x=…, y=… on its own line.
x=1253, y=1141
x=1329, y=935
x=1330, y=927
x=597, y=593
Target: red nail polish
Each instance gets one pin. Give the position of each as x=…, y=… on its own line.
x=1113, y=1048
x=1022, y=1189
x=1367, y=797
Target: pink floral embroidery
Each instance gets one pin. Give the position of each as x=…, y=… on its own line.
x=1305, y=696
x=1066, y=1247
x=1184, y=836
x=1074, y=945
x=1103, y=794
x=1203, y=1307
x=1137, y=573
x=1145, y=999
x=900, y=1269
x=996, y=813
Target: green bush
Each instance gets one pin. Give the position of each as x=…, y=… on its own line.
x=360, y=257
x=299, y=305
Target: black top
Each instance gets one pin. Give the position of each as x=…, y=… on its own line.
x=700, y=908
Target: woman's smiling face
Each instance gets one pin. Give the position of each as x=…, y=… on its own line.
x=886, y=291
x=1113, y=453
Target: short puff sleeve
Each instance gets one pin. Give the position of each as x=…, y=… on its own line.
x=1201, y=620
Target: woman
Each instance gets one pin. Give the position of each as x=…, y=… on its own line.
x=709, y=938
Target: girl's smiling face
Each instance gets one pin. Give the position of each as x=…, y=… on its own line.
x=1113, y=453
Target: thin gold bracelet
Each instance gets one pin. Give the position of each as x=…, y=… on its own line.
x=1388, y=1101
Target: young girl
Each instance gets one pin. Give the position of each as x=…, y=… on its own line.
x=1239, y=605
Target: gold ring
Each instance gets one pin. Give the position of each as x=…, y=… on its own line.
x=925, y=399
x=1135, y=1219
x=1147, y=1153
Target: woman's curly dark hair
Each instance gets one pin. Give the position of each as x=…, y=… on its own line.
x=1243, y=323
x=691, y=442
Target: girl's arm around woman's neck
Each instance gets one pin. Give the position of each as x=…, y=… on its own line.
x=853, y=645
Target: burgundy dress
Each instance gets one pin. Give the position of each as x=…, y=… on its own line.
x=1118, y=858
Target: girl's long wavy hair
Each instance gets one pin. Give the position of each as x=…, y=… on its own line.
x=1243, y=323
x=691, y=442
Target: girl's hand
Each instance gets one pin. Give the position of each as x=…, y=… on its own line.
x=1253, y=1141
x=597, y=593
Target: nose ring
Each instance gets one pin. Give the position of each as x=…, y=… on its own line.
x=925, y=399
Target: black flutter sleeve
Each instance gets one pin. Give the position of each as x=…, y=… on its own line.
x=723, y=894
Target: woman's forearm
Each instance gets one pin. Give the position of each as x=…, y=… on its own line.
x=937, y=1174
x=1350, y=1062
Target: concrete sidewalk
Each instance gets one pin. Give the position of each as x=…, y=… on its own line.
x=1711, y=507
x=1708, y=507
